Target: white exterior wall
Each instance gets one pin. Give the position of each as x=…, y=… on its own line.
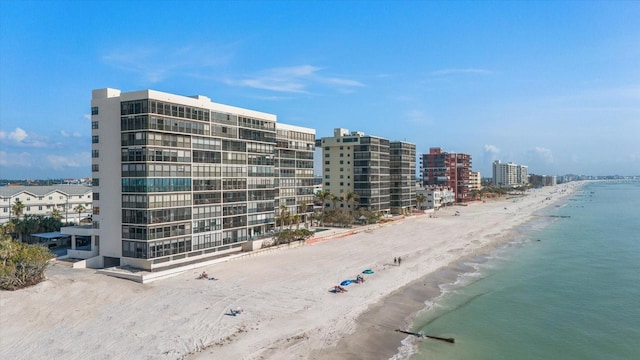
x=108, y=222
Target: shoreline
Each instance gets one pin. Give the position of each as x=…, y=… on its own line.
x=289, y=312
x=375, y=337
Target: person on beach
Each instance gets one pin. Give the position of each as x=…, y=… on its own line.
x=399, y=260
x=395, y=261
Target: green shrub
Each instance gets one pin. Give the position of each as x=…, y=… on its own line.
x=21, y=265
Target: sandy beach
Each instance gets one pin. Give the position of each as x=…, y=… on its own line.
x=288, y=311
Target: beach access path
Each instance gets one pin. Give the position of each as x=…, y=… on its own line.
x=288, y=310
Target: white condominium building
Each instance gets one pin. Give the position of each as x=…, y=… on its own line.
x=179, y=180
x=509, y=174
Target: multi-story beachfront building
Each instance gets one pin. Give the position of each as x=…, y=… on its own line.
x=179, y=180
x=444, y=169
x=509, y=174
x=402, y=167
x=295, y=147
x=359, y=163
x=43, y=200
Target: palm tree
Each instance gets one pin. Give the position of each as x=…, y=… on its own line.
x=283, y=215
x=79, y=209
x=303, y=210
x=18, y=208
x=351, y=197
x=55, y=213
x=296, y=219
x=323, y=196
x=420, y=198
x=334, y=201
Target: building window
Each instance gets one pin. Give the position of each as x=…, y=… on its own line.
x=327, y=162
x=94, y=110
x=326, y=184
x=96, y=210
x=28, y=208
x=341, y=155
x=327, y=176
x=95, y=167
x=95, y=182
x=94, y=124
x=341, y=162
x=95, y=139
x=95, y=153
x=97, y=240
x=96, y=196
x=40, y=207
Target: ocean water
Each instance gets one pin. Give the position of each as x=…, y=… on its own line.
x=564, y=288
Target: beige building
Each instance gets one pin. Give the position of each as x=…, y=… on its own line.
x=42, y=200
x=475, y=181
x=362, y=164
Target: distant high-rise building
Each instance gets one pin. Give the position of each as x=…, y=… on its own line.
x=509, y=174
x=179, y=180
x=452, y=170
x=402, y=167
x=365, y=165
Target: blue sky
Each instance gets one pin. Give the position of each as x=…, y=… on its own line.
x=553, y=85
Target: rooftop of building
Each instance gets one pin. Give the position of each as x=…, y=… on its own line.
x=10, y=191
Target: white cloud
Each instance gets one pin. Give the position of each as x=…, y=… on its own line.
x=23, y=159
x=418, y=117
x=156, y=63
x=491, y=149
x=58, y=162
x=86, y=116
x=541, y=154
x=294, y=79
x=75, y=134
x=18, y=135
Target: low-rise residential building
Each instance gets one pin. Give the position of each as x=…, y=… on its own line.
x=43, y=200
x=436, y=197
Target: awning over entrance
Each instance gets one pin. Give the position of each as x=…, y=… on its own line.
x=51, y=235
